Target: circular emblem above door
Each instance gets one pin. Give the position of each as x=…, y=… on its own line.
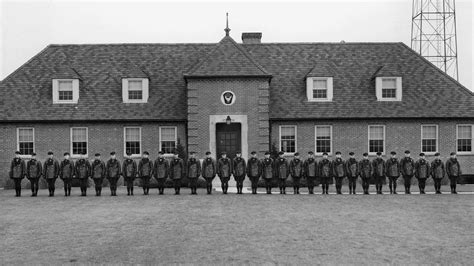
x=228, y=98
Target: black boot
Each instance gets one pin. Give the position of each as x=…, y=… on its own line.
x=128, y=191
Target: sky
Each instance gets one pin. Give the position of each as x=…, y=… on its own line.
x=27, y=27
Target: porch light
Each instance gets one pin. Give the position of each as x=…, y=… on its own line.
x=228, y=120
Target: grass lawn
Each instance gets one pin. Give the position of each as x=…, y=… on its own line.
x=238, y=229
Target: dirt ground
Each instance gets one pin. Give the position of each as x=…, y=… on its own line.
x=236, y=229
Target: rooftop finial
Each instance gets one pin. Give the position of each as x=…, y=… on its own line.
x=227, y=30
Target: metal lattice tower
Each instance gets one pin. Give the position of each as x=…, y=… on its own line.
x=433, y=33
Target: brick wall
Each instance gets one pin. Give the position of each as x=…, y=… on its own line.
x=102, y=138
x=401, y=135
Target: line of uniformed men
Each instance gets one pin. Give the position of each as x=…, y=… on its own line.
x=267, y=168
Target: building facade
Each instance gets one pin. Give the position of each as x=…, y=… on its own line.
x=229, y=96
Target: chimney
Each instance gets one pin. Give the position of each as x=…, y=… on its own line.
x=251, y=37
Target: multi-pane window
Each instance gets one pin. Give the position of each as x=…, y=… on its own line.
x=167, y=139
x=65, y=91
x=26, y=140
x=376, y=139
x=288, y=139
x=389, y=88
x=465, y=137
x=323, y=139
x=133, y=140
x=79, y=140
x=429, y=138
x=320, y=89
x=135, y=89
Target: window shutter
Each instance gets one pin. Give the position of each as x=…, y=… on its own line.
x=399, y=88
x=75, y=90
x=378, y=88
x=125, y=90
x=309, y=88
x=55, y=91
x=330, y=89
x=145, y=90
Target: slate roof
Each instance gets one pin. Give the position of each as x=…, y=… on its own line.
x=26, y=94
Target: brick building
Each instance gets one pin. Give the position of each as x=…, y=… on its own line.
x=324, y=97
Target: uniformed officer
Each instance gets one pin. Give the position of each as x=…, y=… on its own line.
x=145, y=171
x=224, y=171
x=267, y=172
x=113, y=173
x=129, y=172
x=177, y=171
x=98, y=173
x=366, y=172
x=209, y=171
x=379, y=169
x=161, y=171
x=352, y=171
x=254, y=170
x=296, y=171
x=437, y=172
x=282, y=169
x=325, y=172
x=239, y=170
x=17, y=172
x=453, y=170
x=51, y=172
x=66, y=173
x=422, y=172
x=34, y=170
x=407, y=168
x=338, y=171
x=393, y=172
x=83, y=172
x=310, y=172
x=194, y=171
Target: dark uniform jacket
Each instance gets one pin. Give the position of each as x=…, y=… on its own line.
x=296, y=168
x=224, y=167
x=378, y=167
x=98, y=170
x=338, y=168
x=267, y=168
x=310, y=168
x=34, y=169
x=177, y=170
x=50, y=168
x=113, y=169
x=161, y=168
x=352, y=168
x=254, y=167
x=453, y=169
x=129, y=168
x=193, y=168
x=392, y=167
x=17, y=168
x=208, y=168
x=407, y=166
x=422, y=169
x=66, y=169
x=325, y=168
x=437, y=169
x=82, y=169
x=365, y=169
x=282, y=168
x=239, y=167
x=145, y=168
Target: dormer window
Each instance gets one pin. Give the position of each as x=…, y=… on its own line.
x=319, y=89
x=65, y=90
x=388, y=88
x=135, y=90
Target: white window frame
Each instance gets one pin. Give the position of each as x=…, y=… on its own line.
x=384, y=139
x=437, y=139
x=75, y=91
x=309, y=89
x=18, y=141
x=145, y=90
x=316, y=136
x=296, y=140
x=175, y=138
x=125, y=141
x=378, y=89
x=70, y=142
x=472, y=140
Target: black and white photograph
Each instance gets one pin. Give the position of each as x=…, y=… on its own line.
x=236, y=132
